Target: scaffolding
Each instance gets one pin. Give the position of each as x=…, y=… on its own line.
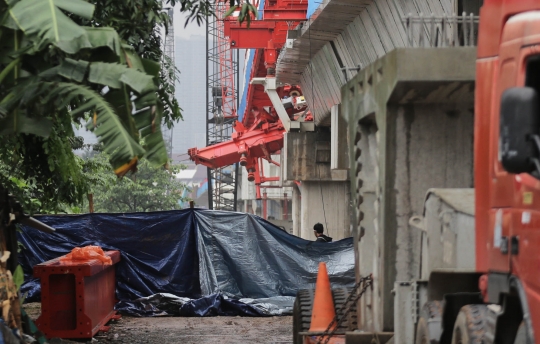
x=222, y=101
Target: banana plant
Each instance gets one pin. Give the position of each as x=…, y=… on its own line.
x=54, y=70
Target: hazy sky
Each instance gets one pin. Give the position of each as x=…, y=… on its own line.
x=191, y=29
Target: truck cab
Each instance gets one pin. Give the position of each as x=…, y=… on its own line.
x=506, y=162
x=504, y=249
x=506, y=196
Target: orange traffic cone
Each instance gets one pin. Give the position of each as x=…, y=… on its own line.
x=323, y=305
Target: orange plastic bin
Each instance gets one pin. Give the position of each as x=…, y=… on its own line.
x=77, y=297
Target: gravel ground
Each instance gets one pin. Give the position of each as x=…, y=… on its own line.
x=225, y=330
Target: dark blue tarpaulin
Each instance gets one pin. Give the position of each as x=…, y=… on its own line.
x=191, y=253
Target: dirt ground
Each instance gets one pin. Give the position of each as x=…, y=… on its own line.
x=226, y=330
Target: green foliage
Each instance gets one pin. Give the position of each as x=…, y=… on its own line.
x=150, y=189
x=96, y=170
x=18, y=276
x=30, y=171
x=246, y=11
x=63, y=62
x=138, y=23
x=200, y=9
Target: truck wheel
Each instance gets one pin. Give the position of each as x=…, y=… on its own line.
x=302, y=313
x=340, y=296
x=470, y=326
x=428, y=330
x=303, y=305
x=521, y=336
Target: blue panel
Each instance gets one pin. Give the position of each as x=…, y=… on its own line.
x=312, y=6
x=202, y=189
x=247, y=78
x=247, y=75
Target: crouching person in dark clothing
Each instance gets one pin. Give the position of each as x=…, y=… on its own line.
x=319, y=229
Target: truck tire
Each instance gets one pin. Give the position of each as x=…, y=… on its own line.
x=302, y=313
x=303, y=305
x=470, y=326
x=521, y=336
x=429, y=329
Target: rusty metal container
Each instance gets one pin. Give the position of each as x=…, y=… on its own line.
x=77, y=297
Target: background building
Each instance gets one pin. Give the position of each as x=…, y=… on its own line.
x=190, y=57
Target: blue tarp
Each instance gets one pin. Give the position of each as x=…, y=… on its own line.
x=191, y=253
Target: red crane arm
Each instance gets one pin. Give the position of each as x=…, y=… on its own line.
x=244, y=146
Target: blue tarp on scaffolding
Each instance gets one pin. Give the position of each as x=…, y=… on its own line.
x=191, y=253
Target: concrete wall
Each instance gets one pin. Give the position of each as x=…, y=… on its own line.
x=433, y=147
x=410, y=123
x=327, y=203
x=367, y=179
x=306, y=157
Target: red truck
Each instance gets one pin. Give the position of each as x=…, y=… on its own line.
x=507, y=149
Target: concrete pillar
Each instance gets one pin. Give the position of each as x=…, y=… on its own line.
x=410, y=121
x=339, y=158
x=335, y=196
x=433, y=147
x=296, y=202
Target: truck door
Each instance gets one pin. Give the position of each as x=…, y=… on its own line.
x=515, y=206
x=501, y=183
x=524, y=241
x=513, y=197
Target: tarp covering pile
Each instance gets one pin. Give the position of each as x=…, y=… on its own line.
x=193, y=262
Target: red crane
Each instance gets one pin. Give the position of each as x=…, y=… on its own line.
x=260, y=134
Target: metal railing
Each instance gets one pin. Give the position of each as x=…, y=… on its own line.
x=445, y=31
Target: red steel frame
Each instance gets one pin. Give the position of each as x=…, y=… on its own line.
x=77, y=298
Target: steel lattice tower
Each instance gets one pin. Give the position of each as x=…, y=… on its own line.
x=168, y=50
x=222, y=101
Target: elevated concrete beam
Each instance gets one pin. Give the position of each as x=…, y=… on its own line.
x=328, y=21
x=348, y=34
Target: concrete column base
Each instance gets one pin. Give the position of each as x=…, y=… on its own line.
x=336, y=196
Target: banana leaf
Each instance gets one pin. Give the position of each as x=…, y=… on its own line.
x=18, y=122
x=73, y=69
x=108, y=127
x=149, y=123
x=44, y=22
x=104, y=37
x=114, y=74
